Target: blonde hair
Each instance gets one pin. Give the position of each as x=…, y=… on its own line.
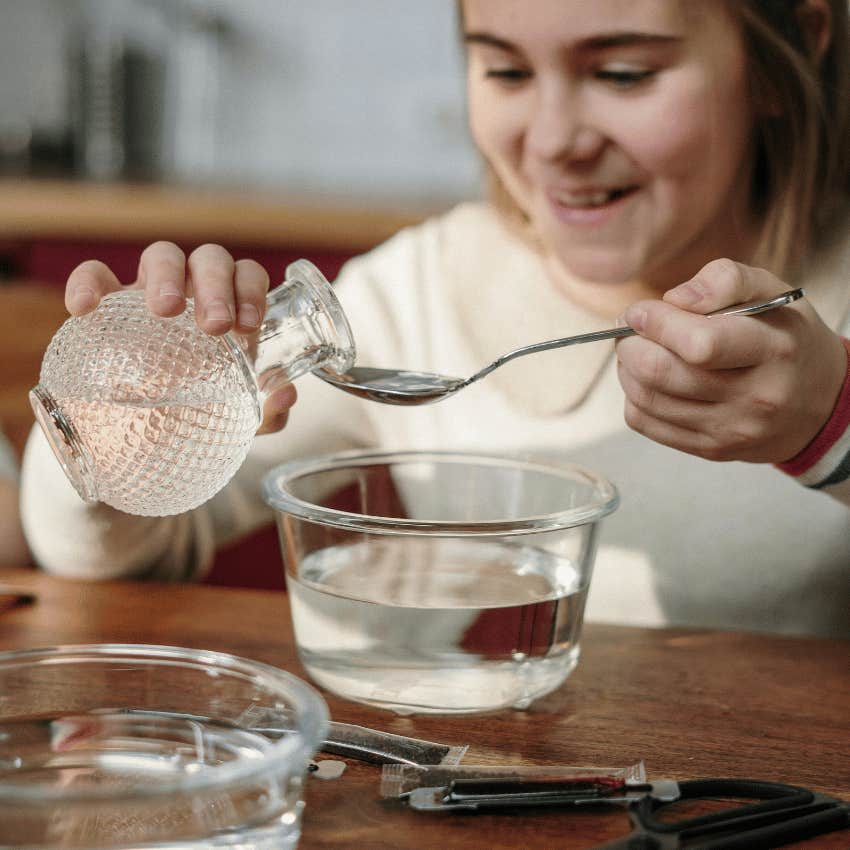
x=801, y=99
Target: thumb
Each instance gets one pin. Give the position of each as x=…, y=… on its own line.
x=723, y=283
x=278, y=401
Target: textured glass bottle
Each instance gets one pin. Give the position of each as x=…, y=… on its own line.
x=153, y=416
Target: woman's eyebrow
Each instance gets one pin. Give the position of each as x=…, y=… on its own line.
x=488, y=40
x=594, y=42
x=625, y=39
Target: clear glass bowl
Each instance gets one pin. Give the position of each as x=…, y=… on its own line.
x=437, y=581
x=122, y=746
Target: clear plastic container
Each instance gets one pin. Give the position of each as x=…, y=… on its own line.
x=122, y=746
x=437, y=581
x=153, y=416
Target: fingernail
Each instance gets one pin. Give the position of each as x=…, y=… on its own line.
x=636, y=318
x=686, y=295
x=169, y=290
x=82, y=300
x=249, y=316
x=275, y=382
x=218, y=311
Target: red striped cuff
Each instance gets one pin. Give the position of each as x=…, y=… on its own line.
x=822, y=462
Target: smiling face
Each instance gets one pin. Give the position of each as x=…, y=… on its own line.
x=621, y=128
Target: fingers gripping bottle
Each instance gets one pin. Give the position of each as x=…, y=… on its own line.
x=152, y=415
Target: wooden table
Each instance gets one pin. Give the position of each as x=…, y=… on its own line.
x=689, y=703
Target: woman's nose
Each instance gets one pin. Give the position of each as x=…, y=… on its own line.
x=562, y=128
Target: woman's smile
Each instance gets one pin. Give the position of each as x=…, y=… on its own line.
x=569, y=117
x=590, y=206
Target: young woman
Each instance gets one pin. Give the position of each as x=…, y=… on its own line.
x=650, y=161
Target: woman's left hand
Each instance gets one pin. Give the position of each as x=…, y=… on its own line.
x=754, y=388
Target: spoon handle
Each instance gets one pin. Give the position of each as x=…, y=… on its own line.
x=748, y=309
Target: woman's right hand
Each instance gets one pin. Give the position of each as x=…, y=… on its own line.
x=229, y=295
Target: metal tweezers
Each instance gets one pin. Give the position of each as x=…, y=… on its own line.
x=500, y=793
x=781, y=813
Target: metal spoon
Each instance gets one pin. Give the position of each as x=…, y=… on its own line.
x=400, y=386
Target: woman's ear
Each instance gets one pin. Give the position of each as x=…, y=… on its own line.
x=815, y=19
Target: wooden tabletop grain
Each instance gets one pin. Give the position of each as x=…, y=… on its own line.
x=689, y=703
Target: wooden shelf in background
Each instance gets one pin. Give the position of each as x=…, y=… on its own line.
x=49, y=209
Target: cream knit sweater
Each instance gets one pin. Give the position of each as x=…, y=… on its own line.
x=729, y=545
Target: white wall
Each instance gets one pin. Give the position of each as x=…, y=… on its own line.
x=339, y=97
x=31, y=63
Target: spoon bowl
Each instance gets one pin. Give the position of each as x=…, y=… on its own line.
x=394, y=386
x=405, y=387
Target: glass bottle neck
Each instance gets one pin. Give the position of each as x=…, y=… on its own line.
x=304, y=329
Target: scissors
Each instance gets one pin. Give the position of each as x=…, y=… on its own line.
x=779, y=814
x=782, y=814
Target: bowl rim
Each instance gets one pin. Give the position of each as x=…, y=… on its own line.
x=606, y=495
x=310, y=721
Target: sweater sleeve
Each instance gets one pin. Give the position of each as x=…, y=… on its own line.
x=70, y=537
x=825, y=463
x=73, y=538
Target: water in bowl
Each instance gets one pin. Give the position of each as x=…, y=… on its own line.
x=438, y=624
x=155, y=458
x=132, y=756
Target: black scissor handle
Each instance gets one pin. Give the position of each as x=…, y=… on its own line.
x=783, y=813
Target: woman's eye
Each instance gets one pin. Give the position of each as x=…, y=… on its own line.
x=507, y=75
x=623, y=78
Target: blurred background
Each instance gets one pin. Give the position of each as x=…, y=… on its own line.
x=347, y=98
x=278, y=128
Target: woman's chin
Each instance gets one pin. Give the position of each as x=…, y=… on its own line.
x=598, y=268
